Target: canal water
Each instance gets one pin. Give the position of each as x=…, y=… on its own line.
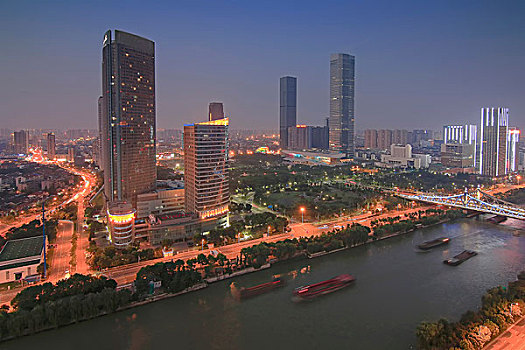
x=396, y=288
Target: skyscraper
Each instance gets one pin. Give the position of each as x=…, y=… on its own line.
x=206, y=180
x=128, y=116
x=215, y=111
x=51, y=146
x=493, y=141
x=287, y=108
x=102, y=132
x=21, y=141
x=342, y=84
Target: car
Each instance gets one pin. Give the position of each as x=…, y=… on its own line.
x=324, y=227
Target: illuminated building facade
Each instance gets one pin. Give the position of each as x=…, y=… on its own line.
x=287, y=108
x=51, y=146
x=206, y=179
x=215, y=111
x=121, y=222
x=342, y=86
x=493, y=141
x=128, y=116
x=513, y=139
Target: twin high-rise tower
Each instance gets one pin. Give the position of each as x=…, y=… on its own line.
x=127, y=116
x=342, y=117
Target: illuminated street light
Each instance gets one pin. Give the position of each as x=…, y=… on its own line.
x=302, y=215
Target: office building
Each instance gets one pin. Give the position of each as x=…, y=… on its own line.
x=299, y=137
x=458, y=155
x=287, y=108
x=168, y=198
x=215, y=111
x=342, y=83
x=493, y=141
x=319, y=137
x=21, y=141
x=128, y=116
x=51, y=146
x=401, y=157
x=102, y=135
x=206, y=176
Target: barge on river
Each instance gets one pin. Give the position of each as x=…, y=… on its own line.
x=433, y=243
x=261, y=288
x=329, y=286
x=461, y=257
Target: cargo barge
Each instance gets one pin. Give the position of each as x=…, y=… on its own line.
x=261, y=288
x=433, y=243
x=329, y=286
x=461, y=257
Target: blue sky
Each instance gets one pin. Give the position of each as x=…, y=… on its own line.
x=419, y=64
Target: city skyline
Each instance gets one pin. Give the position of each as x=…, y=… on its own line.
x=437, y=79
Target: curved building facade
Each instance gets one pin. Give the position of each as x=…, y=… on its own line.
x=121, y=221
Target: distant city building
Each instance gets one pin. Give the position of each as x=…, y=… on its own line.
x=298, y=137
x=70, y=154
x=342, y=86
x=287, y=108
x=401, y=157
x=384, y=139
x=416, y=136
x=460, y=134
x=121, y=222
x=400, y=137
x=493, y=141
x=371, y=138
x=206, y=179
x=319, y=137
x=51, y=146
x=458, y=155
x=128, y=116
x=21, y=141
x=215, y=111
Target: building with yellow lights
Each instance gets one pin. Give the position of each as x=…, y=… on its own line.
x=121, y=222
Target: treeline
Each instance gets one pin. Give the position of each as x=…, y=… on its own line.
x=31, y=229
x=103, y=258
x=260, y=254
x=46, y=306
x=500, y=307
x=173, y=276
x=390, y=225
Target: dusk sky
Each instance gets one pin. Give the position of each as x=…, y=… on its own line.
x=419, y=64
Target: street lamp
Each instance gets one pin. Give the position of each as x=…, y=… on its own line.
x=202, y=242
x=302, y=215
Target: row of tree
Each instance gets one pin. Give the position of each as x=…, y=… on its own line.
x=103, y=258
x=48, y=306
x=500, y=308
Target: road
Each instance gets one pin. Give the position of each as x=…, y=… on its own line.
x=62, y=253
x=512, y=339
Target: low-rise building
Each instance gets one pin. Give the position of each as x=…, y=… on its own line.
x=401, y=157
x=19, y=259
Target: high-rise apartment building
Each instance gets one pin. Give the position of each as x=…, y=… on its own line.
x=51, y=146
x=460, y=134
x=384, y=139
x=206, y=179
x=371, y=138
x=493, y=141
x=513, y=139
x=400, y=137
x=287, y=108
x=342, y=83
x=128, y=116
x=215, y=111
x=21, y=141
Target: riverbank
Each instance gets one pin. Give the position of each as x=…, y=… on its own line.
x=387, y=268
x=299, y=254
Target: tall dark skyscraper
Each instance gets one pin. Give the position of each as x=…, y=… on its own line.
x=51, y=146
x=128, y=116
x=493, y=141
x=287, y=108
x=341, y=123
x=215, y=111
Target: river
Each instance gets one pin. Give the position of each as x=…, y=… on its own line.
x=396, y=288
